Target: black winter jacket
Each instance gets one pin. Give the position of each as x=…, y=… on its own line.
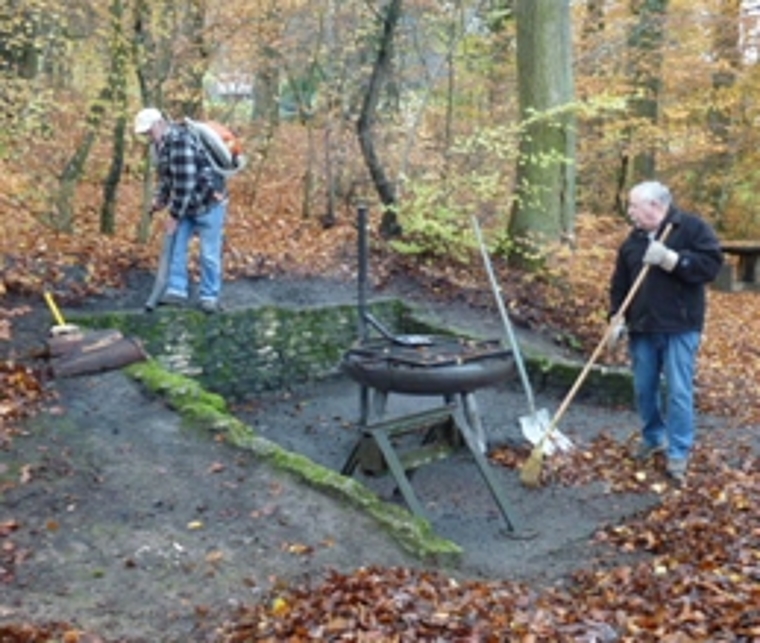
x=668, y=302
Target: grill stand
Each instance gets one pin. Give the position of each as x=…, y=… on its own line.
x=445, y=429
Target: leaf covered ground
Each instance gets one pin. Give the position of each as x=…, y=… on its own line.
x=699, y=579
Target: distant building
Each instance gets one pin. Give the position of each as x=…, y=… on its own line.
x=750, y=31
x=228, y=87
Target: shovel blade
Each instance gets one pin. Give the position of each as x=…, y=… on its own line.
x=534, y=428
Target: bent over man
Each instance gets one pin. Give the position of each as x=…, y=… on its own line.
x=196, y=197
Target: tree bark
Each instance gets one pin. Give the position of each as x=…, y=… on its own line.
x=186, y=96
x=117, y=95
x=63, y=216
x=645, y=43
x=389, y=225
x=714, y=179
x=545, y=207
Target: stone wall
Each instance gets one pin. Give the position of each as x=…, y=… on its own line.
x=242, y=352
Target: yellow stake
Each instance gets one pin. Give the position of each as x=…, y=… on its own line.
x=54, y=309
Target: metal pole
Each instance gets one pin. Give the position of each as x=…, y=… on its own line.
x=361, y=224
x=363, y=270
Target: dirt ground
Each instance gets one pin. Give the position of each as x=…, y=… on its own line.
x=130, y=525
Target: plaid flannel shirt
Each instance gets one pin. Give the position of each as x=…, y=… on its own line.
x=187, y=182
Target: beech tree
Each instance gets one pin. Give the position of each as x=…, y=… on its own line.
x=645, y=43
x=713, y=180
x=544, y=210
x=432, y=110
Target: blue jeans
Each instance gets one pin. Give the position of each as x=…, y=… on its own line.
x=210, y=230
x=674, y=356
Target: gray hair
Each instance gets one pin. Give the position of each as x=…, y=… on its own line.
x=653, y=191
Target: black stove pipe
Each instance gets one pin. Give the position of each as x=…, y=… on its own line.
x=362, y=223
x=363, y=252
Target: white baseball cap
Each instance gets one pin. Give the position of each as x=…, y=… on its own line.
x=147, y=118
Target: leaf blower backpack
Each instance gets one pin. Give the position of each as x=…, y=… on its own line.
x=224, y=149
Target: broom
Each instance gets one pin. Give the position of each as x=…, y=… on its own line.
x=61, y=327
x=530, y=472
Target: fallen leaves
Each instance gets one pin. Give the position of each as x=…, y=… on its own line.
x=686, y=592
x=21, y=395
x=298, y=549
x=694, y=570
x=8, y=527
x=28, y=633
x=216, y=467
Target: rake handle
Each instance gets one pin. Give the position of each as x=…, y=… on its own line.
x=594, y=356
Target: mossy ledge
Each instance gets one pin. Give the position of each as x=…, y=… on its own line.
x=209, y=411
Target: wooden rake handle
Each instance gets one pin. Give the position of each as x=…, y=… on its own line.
x=602, y=343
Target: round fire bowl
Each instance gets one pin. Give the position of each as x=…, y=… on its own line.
x=445, y=366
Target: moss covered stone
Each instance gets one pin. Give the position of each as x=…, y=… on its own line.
x=243, y=352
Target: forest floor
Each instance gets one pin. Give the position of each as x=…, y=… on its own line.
x=130, y=527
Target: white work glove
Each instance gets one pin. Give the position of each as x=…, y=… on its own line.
x=658, y=254
x=618, y=333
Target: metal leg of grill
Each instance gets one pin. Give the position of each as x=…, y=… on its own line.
x=398, y=472
x=474, y=437
x=380, y=404
x=363, y=405
x=375, y=453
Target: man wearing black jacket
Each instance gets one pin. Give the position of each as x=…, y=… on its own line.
x=666, y=318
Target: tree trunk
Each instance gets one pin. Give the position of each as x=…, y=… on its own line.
x=389, y=225
x=545, y=207
x=152, y=53
x=597, y=188
x=500, y=22
x=63, y=217
x=117, y=94
x=186, y=97
x=645, y=43
x=712, y=185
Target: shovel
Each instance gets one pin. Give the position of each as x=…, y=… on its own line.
x=533, y=426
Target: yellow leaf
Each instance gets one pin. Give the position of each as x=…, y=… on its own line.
x=280, y=606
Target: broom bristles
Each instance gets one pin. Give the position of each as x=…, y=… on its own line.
x=530, y=473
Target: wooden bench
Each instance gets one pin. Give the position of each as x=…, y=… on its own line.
x=741, y=270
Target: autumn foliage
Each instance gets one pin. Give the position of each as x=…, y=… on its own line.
x=690, y=568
